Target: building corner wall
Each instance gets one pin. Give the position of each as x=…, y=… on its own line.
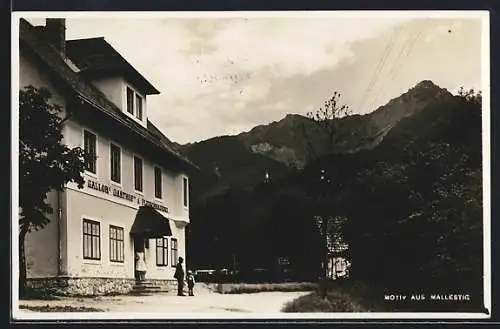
x=41, y=246
x=63, y=234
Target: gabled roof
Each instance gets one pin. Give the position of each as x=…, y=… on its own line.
x=30, y=37
x=95, y=57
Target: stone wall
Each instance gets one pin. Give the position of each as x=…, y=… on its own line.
x=81, y=286
x=64, y=286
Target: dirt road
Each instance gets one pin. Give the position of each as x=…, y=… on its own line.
x=169, y=306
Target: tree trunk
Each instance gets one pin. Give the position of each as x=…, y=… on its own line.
x=22, y=260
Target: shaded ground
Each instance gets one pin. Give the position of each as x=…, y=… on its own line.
x=264, y=302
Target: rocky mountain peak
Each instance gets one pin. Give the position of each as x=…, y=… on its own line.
x=426, y=84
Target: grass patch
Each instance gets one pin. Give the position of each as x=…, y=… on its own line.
x=354, y=296
x=342, y=296
x=248, y=288
x=370, y=298
x=336, y=302
x=66, y=308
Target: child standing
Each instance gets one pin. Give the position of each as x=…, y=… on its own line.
x=190, y=282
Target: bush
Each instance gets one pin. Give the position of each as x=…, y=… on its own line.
x=335, y=302
x=308, y=303
x=368, y=296
x=342, y=296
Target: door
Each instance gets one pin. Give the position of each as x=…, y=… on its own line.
x=138, y=247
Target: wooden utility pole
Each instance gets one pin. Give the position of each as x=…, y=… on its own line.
x=324, y=273
x=324, y=234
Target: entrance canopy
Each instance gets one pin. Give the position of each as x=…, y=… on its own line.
x=149, y=223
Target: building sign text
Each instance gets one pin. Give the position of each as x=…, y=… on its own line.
x=123, y=195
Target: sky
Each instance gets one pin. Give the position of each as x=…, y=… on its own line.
x=221, y=75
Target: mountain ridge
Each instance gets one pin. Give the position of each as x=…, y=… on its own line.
x=431, y=155
x=280, y=146
x=283, y=140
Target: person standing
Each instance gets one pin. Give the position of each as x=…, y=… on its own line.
x=140, y=266
x=179, y=276
x=190, y=282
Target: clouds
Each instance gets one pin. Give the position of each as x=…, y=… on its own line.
x=224, y=75
x=287, y=45
x=387, y=65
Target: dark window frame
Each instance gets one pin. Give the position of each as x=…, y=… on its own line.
x=138, y=106
x=158, y=173
x=174, y=251
x=91, y=254
x=112, y=174
x=116, y=240
x=138, y=178
x=130, y=100
x=162, y=249
x=185, y=192
x=90, y=149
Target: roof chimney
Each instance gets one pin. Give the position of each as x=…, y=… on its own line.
x=56, y=33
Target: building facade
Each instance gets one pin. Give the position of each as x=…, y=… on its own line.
x=135, y=200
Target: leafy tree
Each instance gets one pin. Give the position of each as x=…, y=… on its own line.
x=426, y=200
x=470, y=96
x=45, y=163
x=295, y=235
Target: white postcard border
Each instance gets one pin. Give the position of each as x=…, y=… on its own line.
x=483, y=15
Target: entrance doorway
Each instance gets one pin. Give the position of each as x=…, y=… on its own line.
x=139, y=257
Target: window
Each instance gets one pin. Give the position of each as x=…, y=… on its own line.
x=91, y=240
x=162, y=251
x=173, y=250
x=185, y=191
x=116, y=244
x=135, y=104
x=90, y=147
x=115, y=155
x=138, y=107
x=138, y=174
x=158, y=190
x=130, y=100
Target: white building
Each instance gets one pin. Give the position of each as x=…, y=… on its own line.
x=338, y=267
x=136, y=194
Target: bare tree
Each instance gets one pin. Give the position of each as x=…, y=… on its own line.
x=325, y=121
